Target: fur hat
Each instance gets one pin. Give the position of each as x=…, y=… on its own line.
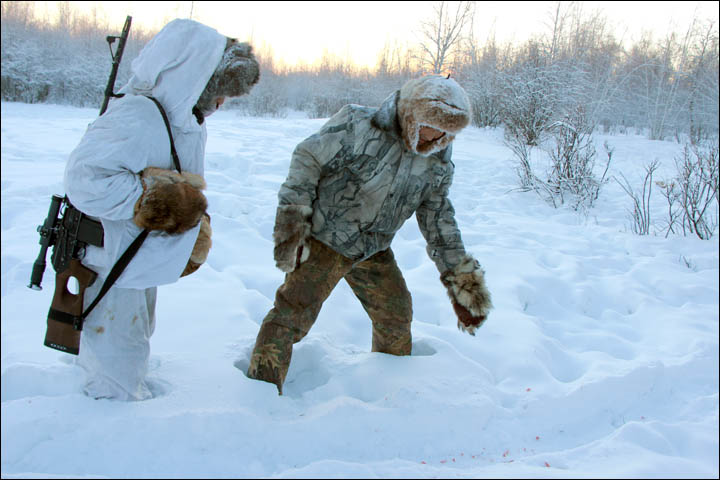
x=234, y=76
x=432, y=101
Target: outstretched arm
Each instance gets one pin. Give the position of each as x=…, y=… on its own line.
x=461, y=274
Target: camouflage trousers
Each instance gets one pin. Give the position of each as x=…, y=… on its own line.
x=378, y=284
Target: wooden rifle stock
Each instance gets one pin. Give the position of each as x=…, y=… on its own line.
x=65, y=318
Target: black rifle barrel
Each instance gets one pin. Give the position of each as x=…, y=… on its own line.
x=116, y=62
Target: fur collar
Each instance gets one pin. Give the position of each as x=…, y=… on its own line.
x=386, y=116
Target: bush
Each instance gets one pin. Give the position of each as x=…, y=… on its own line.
x=571, y=178
x=572, y=155
x=641, y=201
x=692, y=195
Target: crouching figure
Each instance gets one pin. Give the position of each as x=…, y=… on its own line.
x=350, y=188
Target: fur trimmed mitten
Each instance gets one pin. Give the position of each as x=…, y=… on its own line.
x=172, y=202
x=202, y=247
x=469, y=295
x=291, y=233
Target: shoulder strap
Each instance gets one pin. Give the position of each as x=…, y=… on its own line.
x=130, y=252
x=173, y=152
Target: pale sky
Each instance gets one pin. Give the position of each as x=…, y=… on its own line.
x=302, y=31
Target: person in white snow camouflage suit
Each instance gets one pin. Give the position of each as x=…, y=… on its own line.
x=350, y=188
x=122, y=173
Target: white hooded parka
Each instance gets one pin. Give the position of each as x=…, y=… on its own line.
x=102, y=179
x=102, y=176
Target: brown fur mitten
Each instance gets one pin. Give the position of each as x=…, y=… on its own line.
x=202, y=247
x=171, y=201
x=469, y=295
x=292, y=230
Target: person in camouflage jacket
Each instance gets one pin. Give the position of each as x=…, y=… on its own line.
x=350, y=188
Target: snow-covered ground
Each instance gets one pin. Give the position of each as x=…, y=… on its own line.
x=600, y=358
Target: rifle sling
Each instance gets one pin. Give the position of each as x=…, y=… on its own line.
x=130, y=252
x=117, y=269
x=173, y=152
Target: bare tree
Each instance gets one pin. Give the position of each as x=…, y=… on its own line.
x=558, y=20
x=703, y=84
x=443, y=34
x=19, y=14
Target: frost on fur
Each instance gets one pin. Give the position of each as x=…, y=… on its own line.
x=436, y=102
x=153, y=174
x=292, y=229
x=466, y=286
x=171, y=201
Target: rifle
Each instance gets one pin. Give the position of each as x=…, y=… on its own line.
x=116, y=57
x=69, y=232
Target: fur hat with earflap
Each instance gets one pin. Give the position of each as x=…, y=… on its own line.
x=432, y=101
x=234, y=76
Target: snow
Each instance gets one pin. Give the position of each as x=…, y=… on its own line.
x=600, y=358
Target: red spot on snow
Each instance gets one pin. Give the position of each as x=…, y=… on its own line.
x=443, y=461
x=528, y=389
x=547, y=464
x=423, y=462
x=506, y=453
x=537, y=438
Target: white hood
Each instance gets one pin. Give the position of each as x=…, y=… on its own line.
x=175, y=66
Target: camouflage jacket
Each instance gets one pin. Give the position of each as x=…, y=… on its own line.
x=362, y=184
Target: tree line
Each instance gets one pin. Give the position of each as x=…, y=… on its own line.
x=664, y=87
